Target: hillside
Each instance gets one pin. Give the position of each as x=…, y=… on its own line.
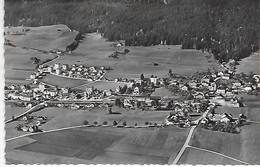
x=226, y=28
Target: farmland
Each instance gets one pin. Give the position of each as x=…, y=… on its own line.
x=102, y=85
x=13, y=111
x=62, y=82
x=193, y=156
x=43, y=38
x=130, y=145
x=94, y=51
x=242, y=146
x=136, y=139
x=250, y=64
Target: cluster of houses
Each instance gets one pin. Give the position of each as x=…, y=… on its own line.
x=218, y=87
x=42, y=92
x=73, y=71
x=223, y=122
x=31, y=123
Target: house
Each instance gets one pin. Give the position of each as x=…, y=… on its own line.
x=64, y=67
x=49, y=69
x=32, y=76
x=25, y=98
x=205, y=80
x=56, y=66
x=184, y=88
x=52, y=93
x=220, y=90
x=108, y=92
x=127, y=103
x=193, y=84
x=198, y=95
x=236, y=84
x=154, y=80
x=89, y=91
x=220, y=74
x=42, y=87
x=58, y=71
x=13, y=96
x=248, y=88
x=212, y=87
x=136, y=91
x=225, y=76
x=257, y=78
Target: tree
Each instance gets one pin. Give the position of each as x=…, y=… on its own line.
x=85, y=122
x=118, y=102
x=123, y=90
x=105, y=123
x=95, y=123
x=146, y=123
x=110, y=110
x=115, y=123
x=142, y=76
x=129, y=90
x=124, y=123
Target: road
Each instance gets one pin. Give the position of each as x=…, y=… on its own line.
x=28, y=111
x=223, y=155
x=186, y=144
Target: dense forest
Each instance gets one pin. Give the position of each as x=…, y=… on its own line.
x=226, y=28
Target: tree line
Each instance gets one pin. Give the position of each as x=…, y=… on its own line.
x=229, y=29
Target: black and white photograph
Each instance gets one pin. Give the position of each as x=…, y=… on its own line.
x=131, y=82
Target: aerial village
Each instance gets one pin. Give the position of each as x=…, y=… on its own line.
x=198, y=94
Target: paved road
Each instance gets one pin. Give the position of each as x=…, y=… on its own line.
x=186, y=144
x=26, y=112
x=223, y=155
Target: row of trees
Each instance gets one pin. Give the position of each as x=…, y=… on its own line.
x=227, y=28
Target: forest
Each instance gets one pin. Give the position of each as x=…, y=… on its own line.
x=229, y=29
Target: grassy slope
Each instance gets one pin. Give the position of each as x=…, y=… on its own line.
x=94, y=50
x=44, y=37
x=110, y=146
x=197, y=157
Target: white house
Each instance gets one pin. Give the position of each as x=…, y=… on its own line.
x=184, y=88
x=32, y=76
x=56, y=66
x=136, y=91
x=154, y=80
x=64, y=67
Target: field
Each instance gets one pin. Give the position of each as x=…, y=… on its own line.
x=99, y=145
x=198, y=157
x=43, y=38
x=94, y=51
x=103, y=85
x=249, y=64
x=62, y=82
x=62, y=117
x=13, y=111
x=18, y=65
x=243, y=146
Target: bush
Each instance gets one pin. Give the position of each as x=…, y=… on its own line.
x=124, y=123
x=115, y=123
x=85, y=122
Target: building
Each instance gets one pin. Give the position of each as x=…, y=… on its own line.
x=32, y=76
x=56, y=66
x=64, y=67
x=58, y=71
x=154, y=80
x=136, y=91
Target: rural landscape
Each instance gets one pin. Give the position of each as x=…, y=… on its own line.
x=132, y=82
